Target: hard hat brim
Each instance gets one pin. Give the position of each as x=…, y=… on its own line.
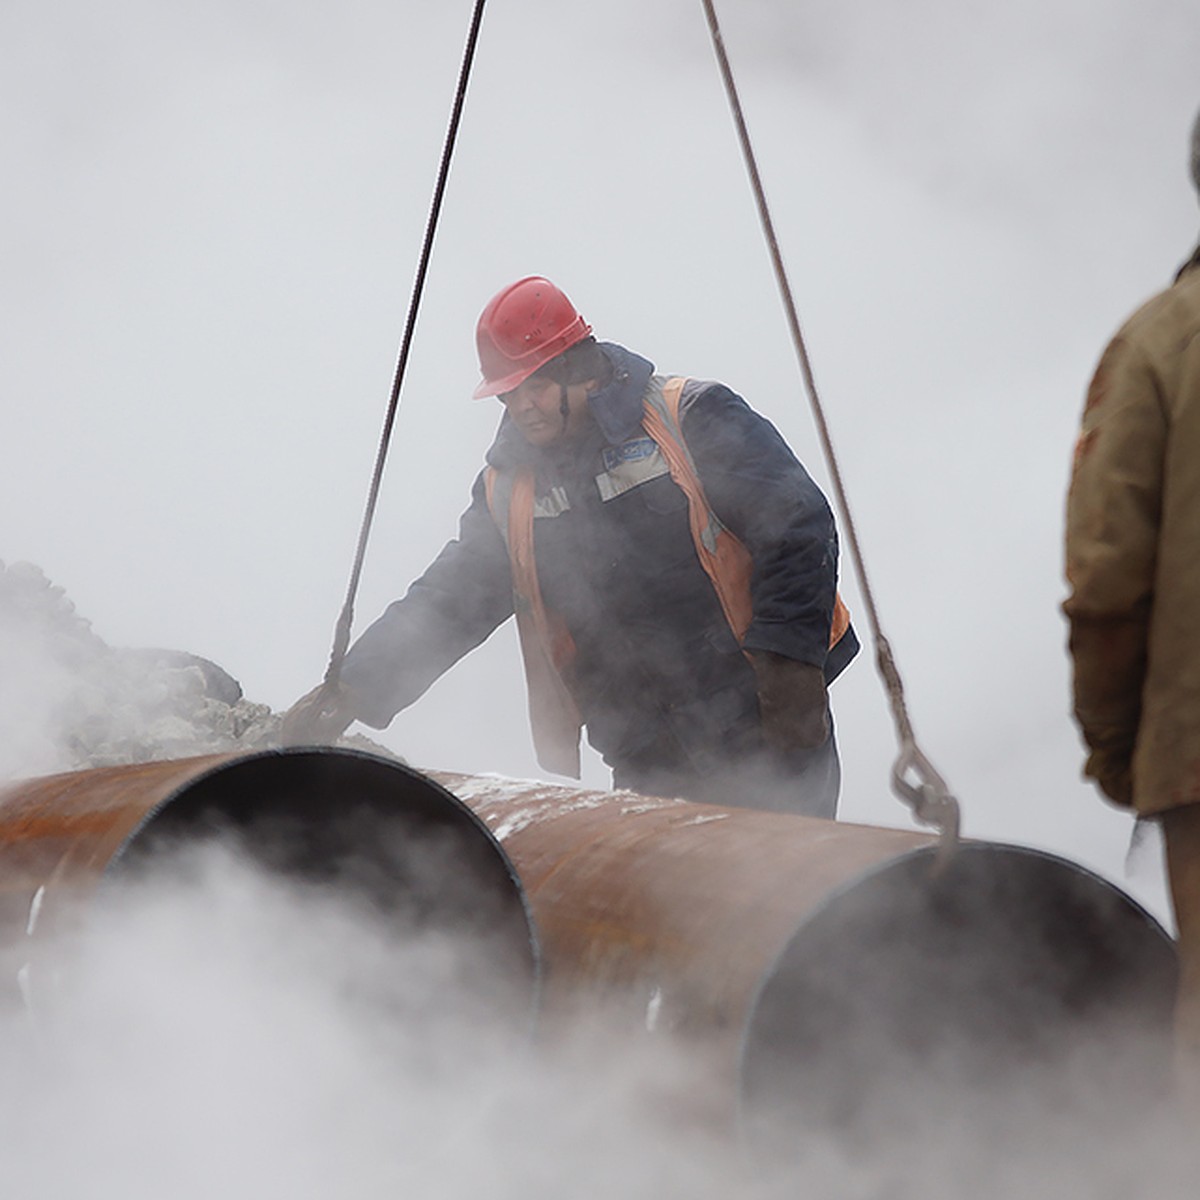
x=575, y=332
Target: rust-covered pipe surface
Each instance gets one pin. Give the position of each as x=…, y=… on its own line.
x=362, y=825
x=825, y=965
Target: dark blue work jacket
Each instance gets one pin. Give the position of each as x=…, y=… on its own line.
x=658, y=675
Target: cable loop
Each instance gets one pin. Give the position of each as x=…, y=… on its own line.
x=927, y=796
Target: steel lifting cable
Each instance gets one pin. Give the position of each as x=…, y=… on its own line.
x=341, y=637
x=914, y=778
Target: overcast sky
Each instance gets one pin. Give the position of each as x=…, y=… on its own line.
x=211, y=220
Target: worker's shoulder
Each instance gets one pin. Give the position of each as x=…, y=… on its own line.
x=708, y=394
x=1169, y=321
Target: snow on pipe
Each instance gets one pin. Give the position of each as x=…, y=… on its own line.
x=363, y=825
x=834, y=979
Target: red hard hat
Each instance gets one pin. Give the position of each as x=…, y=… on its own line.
x=522, y=328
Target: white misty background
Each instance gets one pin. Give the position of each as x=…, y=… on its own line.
x=210, y=228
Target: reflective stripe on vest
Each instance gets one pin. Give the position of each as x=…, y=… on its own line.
x=725, y=560
x=546, y=645
x=723, y=557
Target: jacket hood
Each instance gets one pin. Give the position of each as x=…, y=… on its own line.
x=616, y=409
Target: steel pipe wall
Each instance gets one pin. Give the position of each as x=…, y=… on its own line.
x=819, y=967
x=361, y=825
x=826, y=966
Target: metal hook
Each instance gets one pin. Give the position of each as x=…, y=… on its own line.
x=928, y=796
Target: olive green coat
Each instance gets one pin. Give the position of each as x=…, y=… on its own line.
x=1133, y=557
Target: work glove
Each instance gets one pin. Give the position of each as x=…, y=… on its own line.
x=793, y=702
x=1109, y=765
x=318, y=718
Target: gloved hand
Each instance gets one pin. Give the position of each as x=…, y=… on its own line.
x=793, y=702
x=1110, y=767
x=318, y=718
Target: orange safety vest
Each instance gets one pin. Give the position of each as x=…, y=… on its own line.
x=546, y=644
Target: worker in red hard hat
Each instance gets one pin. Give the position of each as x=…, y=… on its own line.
x=1133, y=566
x=671, y=565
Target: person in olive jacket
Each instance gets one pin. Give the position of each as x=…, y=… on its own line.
x=671, y=565
x=1133, y=566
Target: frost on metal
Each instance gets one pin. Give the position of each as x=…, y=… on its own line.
x=509, y=806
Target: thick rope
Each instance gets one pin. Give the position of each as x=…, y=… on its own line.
x=341, y=637
x=926, y=793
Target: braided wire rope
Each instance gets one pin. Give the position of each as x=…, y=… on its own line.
x=341, y=638
x=915, y=780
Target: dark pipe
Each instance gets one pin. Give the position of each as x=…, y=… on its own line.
x=912, y=1003
x=361, y=825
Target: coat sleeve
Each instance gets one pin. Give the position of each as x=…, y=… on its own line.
x=762, y=493
x=465, y=593
x=1113, y=512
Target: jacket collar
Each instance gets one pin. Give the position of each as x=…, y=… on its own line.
x=616, y=408
x=1191, y=264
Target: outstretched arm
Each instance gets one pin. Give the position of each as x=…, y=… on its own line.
x=460, y=599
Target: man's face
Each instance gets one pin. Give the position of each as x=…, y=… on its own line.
x=535, y=406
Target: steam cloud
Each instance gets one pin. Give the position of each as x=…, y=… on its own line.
x=217, y=1031
x=212, y=1028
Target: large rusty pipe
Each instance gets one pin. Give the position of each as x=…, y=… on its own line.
x=364, y=825
x=827, y=965
x=804, y=956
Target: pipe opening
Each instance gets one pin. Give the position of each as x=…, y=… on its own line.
x=367, y=831
x=908, y=1005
